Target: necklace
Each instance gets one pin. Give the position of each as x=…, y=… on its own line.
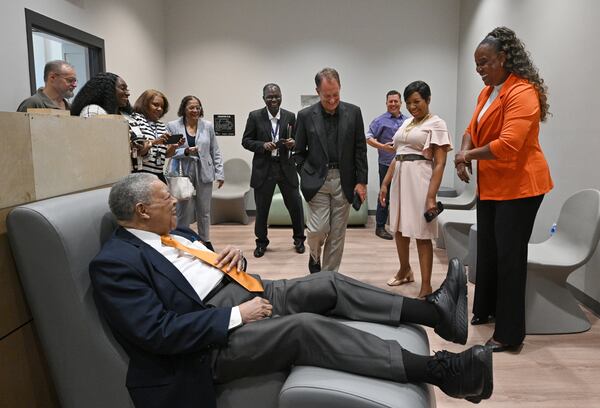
x=413, y=124
x=418, y=122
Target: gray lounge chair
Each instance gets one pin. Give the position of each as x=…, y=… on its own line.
x=549, y=305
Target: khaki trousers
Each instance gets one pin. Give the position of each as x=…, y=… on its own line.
x=327, y=220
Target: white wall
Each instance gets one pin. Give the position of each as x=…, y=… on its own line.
x=224, y=52
x=562, y=38
x=133, y=50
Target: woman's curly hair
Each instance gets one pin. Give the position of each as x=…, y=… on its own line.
x=99, y=90
x=518, y=61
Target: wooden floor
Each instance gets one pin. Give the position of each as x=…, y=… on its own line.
x=550, y=371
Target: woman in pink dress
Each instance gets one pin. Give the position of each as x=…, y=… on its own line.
x=421, y=146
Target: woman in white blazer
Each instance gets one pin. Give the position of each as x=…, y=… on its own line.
x=201, y=161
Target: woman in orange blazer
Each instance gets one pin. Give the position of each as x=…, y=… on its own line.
x=513, y=177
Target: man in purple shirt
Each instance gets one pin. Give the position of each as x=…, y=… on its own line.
x=380, y=135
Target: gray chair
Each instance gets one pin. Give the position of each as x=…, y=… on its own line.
x=455, y=226
x=278, y=213
x=53, y=242
x=229, y=202
x=549, y=305
x=464, y=201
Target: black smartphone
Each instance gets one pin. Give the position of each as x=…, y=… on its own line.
x=280, y=142
x=430, y=215
x=356, y=201
x=174, y=139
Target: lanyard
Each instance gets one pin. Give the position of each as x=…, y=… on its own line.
x=274, y=132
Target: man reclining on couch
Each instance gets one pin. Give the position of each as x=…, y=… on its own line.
x=187, y=324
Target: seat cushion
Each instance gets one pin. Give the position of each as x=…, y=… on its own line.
x=313, y=387
x=240, y=393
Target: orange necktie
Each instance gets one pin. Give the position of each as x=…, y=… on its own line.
x=241, y=277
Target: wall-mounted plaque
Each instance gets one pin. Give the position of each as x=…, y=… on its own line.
x=224, y=125
x=307, y=100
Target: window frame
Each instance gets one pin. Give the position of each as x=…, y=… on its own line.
x=95, y=45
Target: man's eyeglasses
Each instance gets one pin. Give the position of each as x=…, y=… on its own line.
x=69, y=80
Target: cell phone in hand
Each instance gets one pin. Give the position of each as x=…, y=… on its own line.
x=356, y=201
x=174, y=139
x=431, y=214
x=280, y=142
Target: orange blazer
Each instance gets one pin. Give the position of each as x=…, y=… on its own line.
x=511, y=127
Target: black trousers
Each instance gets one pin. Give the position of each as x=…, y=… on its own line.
x=263, y=196
x=503, y=232
x=301, y=333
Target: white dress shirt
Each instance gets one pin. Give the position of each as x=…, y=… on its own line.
x=275, y=129
x=200, y=275
x=274, y=120
x=491, y=98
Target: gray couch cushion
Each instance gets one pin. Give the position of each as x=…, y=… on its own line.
x=313, y=387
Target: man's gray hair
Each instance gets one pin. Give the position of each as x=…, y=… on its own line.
x=126, y=193
x=55, y=66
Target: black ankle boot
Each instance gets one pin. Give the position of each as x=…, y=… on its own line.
x=450, y=301
x=465, y=375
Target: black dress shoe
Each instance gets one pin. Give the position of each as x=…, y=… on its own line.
x=382, y=233
x=299, y=246
x=260, y=251
x=476, y=320
x=498, y=347
x=450, y=301
x=467, y=375
x=313, y=266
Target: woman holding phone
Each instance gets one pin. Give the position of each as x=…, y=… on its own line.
x=153, y=146
x=421, y=145
x=200, y=159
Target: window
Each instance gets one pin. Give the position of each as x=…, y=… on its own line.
x=49, y=40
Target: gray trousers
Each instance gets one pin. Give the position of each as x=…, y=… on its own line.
x=302, y=332
x=197, y=209
x=327, y=221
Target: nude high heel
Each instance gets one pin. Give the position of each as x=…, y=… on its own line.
x=408, y=278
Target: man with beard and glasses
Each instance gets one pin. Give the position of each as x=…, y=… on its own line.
x=60, y=80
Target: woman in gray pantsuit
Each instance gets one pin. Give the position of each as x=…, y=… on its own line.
x=201, y=161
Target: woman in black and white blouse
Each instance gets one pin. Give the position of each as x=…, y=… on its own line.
x=153, y=149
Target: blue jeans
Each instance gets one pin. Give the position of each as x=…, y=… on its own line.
x=381, y=215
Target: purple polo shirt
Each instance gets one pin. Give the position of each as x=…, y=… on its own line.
x=383, y=128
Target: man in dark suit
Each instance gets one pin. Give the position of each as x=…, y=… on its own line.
x=185, y=323
x=331, y=155
x=268, y=134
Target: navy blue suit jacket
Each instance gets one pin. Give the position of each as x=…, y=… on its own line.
x=160, y=321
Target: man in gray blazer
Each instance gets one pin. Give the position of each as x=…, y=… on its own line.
x=268, y=134
x=331, y=154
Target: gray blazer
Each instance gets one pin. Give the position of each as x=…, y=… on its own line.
x=209, y=162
